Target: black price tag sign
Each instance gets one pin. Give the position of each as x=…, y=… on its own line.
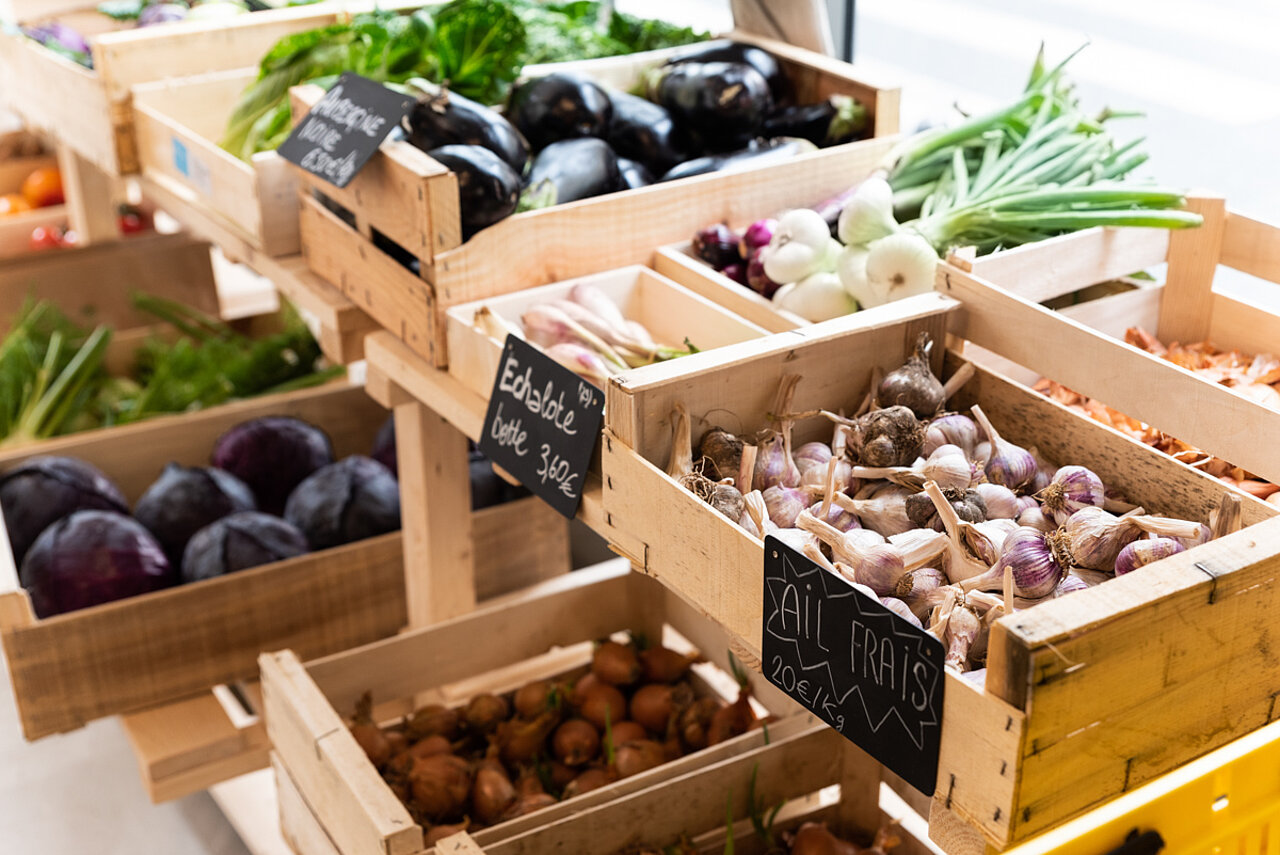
x=864, y=670
x=543, y=424
x=345, y=128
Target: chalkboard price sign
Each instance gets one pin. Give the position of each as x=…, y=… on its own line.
x=345, y=128
x=864, y=670
x=542, y=424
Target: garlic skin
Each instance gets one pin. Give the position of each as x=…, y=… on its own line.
x=1030, y=556
x=1094, y=538
x=811, y=454
x=885, y=512
x=952, y=429
x=784, y=504
x=915, y=588
x=1035, y=518
x=837, y=517
x=1010, y=465
x=901, y=609
x=1000, y=501
x=1140, y=553
x=774, y=466
x=963, y=626
x=1070, y=489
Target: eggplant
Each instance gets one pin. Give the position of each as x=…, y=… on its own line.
x=756, y=154
x=569, y=170
x=558, y=107
x=634, y=174
x=725, y=50
x=443, y=118
x=839, y=119
x=488, y=188
x=723, y=103
x=644, y=131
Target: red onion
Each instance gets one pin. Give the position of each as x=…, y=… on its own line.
x=1143, y=552
x=737, y=271
x=756, y=236
x=758, y=280
x=717, y=245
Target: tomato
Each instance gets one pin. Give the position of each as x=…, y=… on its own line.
x=45, y=238
x=43, y=187
x=132, y=220
x=13, y=203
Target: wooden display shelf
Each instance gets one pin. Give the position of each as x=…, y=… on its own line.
x=15, y=229
x=411, y=201
x=1072, y=712
x=544, y=632
x=1084, y=348
x=90, y=109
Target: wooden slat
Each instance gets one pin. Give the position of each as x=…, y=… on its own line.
x=1251, y=246
x=172, y=266
x=359, y=812
x=1049, y=268
x=1193, y=260
x=1137, y=383
x=800, y=22
x=91, y=196
x=675, y=262
x=298, y=823
x=1114, y=314
x=1244, y=325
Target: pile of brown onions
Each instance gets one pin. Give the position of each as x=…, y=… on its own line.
x=503, y=756
x=934, y=513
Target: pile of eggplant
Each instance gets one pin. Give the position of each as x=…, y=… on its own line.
x=715, y=106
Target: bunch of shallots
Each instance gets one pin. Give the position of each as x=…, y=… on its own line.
x=586, y=333
x=934, y=513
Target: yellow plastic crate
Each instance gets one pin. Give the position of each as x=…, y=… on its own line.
x=1226, y=802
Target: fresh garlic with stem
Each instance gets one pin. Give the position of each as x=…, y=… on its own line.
x=1033, y=559
x=916, y=587
x=963, y=626
x=1009, y=464
x=784, y=504
x=901, y=609
x=963, y=561
x=1094, y=538
x=1070, y=489
x=1140, y=553
x=774, y=463
x=876, y=566
x=885, y=512
x=951, y=429
x=1000, y=501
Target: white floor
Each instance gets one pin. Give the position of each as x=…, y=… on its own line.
x=1205, y=73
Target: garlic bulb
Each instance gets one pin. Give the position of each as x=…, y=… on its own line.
x=913, y=384
x=1143, y=552
x=948, y=468
x=784, y=504
x=814, y=479
x=1070, y=489
x=901, y=609
x=915, y=588
x=891, y=436
x=726, y=499
x=1000, y=501
x=1030, y=556
x=837, y=517
x=952, y=429
x=885, y=512
x=1035, y=518
x=1009, y=464
x=1070, y=584
x=878, y=566
x=963, y=626
x=774, y=465
x=1094, y=538
x=723, y=453
x=811, y=454
x=796, y=539
x=747, y=524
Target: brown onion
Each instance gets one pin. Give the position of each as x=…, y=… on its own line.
x=521, y=741
x=436, y=833
x=653, y=705
x=590, y=779
x=492, y=793
x=695, y=721
x=732, y=720
x=396, y=741
x=603, y=700
x=373, y=742
x=664, y=665
x=530, y=803
x=627, y=731
x=632, y=758
x=485, y=712
x=532, y=699
x=576, y=742
x=616, y=664
x=433, y=719
x=433, y=744
x=440, y=784
x=814, y=838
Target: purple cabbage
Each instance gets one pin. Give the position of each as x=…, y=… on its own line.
x=161, y=13
x=237, y=542
x=43, y=490
x=355, y=498
x=272, y=455
x=92, y=557
x=384, y=446
x=185, y=499
x=62, y=40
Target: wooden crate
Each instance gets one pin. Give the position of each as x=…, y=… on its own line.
x=669, y=311
x=542, y=632
x=1072, y=347
x=412, y=201
x=791, y=771
x=15, y=229
x=147, y=650
x=90, y=109
x=1086, y=696
x=178, y=123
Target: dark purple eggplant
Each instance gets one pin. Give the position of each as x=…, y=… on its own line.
x=756, y=154
x=443, y=118
x=723, y=103
x=634, y=174
x=569, y=170
x=644, y=131
x=488, y=188
x=839, y=119
x=558, y=107
x=724, y=50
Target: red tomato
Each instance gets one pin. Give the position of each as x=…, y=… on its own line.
x=43, y=187
x=133, y=220
x=13, y=203
x=45, y=238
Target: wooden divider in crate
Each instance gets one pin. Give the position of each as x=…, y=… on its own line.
x=1083, y=348
x=543, y=632
x=410, y=200
x=156, y=648
x=90, y=109
x=1073, y=712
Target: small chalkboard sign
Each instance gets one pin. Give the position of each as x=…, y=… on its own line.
x=864, y=670
x=543, y=424
x=345, y=128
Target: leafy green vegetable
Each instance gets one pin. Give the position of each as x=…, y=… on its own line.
x=121, y=10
